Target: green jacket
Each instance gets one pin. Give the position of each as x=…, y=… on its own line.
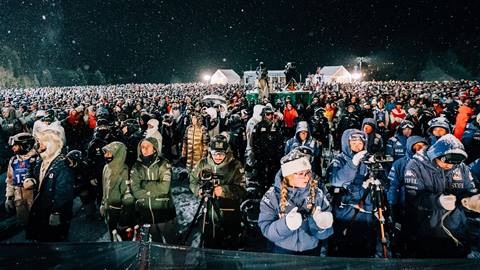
x=230, y=174
x=151, y=184
x=116, y=190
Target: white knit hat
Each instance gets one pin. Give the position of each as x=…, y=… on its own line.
x=296, y=165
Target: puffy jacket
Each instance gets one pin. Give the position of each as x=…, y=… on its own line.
x=475, y=169
x=275, y=228
x=229, y=173
x=374, y=140
x=116, y=190
x=464, y=114
x=343, y=174
x=396, y=191
x=289, y=117
x=55, y=195
x=195, y=145
x=396, y=146
x=425, y=182
x=471, y=141
x=151, y=185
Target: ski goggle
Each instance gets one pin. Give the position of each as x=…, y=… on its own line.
x=356, y=137
x=453, y=158
x=217, y=153
x=406, y=125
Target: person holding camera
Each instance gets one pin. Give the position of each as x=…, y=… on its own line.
x=220, y=177
x=150, y=177
x=439, y=197
x=295, y=213
x=355, y=227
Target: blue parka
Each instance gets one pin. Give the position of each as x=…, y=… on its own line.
x=342, y=173
x=425, y=182
x=275, y=228
x=396, y=191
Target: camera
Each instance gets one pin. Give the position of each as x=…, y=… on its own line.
x=208, y=181
x=377, y=158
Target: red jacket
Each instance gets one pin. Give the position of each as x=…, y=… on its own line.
x=289, y=117
x=464, y=114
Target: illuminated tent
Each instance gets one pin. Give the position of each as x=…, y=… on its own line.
x=332, y=74
x=225, y=76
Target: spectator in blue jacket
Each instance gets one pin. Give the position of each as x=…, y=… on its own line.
x=475, y=169
x=302, y=138
x=471, y=139
x=295, y=213
x=437, y=224
x=374, y=140
x=354, y=228
x=416, y=146
x=437, y=127
x=396, y=145
x=396, y=191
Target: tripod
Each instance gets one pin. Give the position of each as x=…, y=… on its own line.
x=375, y=189
x=205, y=204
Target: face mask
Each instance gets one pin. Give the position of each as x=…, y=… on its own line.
x=148, y=160
x=108, y=159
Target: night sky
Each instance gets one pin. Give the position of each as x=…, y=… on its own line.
x=171, y=41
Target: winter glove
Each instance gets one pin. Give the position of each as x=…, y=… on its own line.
x=9, y=205
x=29, y=183
x=293, y=219
x=358, y=157
x=324, y=220
x=471, y=203
x=54, y=219
x=367, y=183
x=102, y=211
x=447, y=201
x=94, y=182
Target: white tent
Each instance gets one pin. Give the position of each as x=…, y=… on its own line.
x=276, y=78
x=225, y=76
x=331, y=74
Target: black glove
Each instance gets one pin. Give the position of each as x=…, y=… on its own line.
x=9, y=205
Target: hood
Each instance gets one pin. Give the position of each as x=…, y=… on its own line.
x=257, y=112
x=11, y=113
x=153, y=141
x=411, y=141
x=345, y=146
x=119, y=152
x=438, y=122
x=371, y=122
x=53, y=136
x=154, y=123
x=447, y=144
x=302, y=126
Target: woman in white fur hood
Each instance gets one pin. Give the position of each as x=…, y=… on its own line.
x=53, y=183
x=152, y=131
